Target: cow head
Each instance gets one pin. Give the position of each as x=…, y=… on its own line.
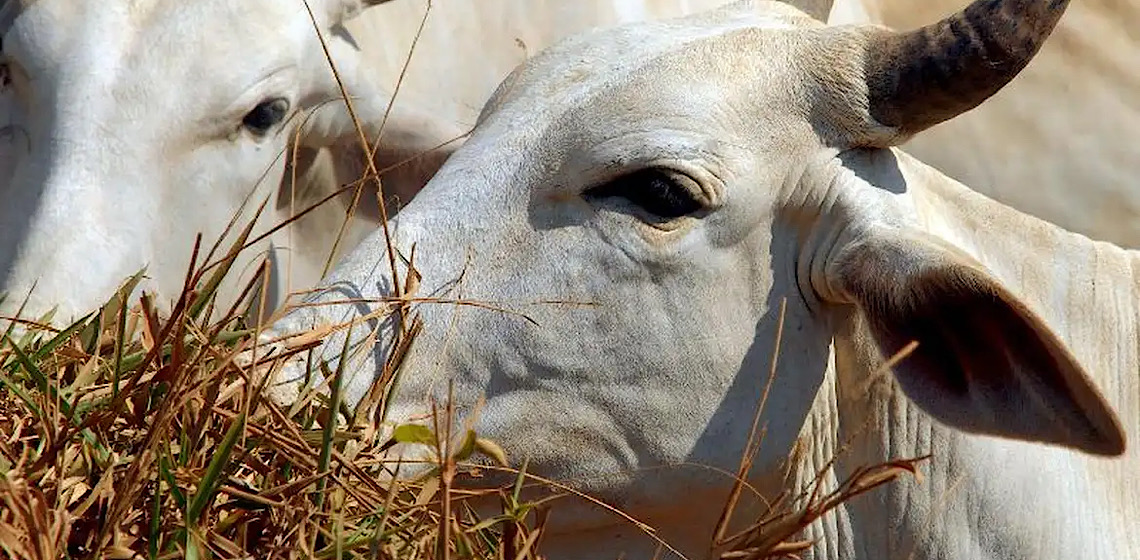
x=130, y=126
x=641, y=210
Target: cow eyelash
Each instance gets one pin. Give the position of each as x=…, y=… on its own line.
x=662, y=193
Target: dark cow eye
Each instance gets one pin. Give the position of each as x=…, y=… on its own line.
x=662, y=193
x=266, y=115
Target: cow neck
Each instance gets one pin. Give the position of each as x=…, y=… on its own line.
x=977, y=489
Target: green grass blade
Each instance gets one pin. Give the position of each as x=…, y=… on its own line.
x=516, y=491
x=19, y=391
x=11, y=328
x=168, y=476
x=155, y=537
x=60, y=338
x=120, y=334
x=334, y=406
x=208, y=485
x=192, y=552
x=38, y=376
x=32, y=335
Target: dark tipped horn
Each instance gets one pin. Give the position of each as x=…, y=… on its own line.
x=920, y=78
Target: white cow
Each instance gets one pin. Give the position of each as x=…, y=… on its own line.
x=131, y=125
x=670, y=185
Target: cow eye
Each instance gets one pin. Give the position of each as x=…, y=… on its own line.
x=265, y=116
x=662, y=193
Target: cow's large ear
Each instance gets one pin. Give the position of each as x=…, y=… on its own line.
x=413, y=144
x=413, y=141
x=984, y=362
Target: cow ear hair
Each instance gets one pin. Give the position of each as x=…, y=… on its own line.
x=413, y=142
x=984, y=362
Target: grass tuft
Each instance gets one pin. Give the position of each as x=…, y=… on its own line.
x=129, y=434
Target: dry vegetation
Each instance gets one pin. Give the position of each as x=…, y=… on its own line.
x=129, y=434
x=134, y=435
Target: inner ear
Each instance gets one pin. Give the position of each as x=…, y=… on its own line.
x=984, y=363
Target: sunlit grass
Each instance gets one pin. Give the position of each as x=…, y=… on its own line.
x=136, y=434
x=133, y=434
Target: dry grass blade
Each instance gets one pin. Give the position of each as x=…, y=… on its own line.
x=370, y=163
x=754, y=435
x=773, y=536
x=29, y=526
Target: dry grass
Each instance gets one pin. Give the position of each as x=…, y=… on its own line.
x=133, y=435
x=129, y=434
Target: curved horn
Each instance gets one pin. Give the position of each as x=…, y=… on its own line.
x=920, y=78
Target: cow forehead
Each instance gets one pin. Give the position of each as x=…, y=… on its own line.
x=108, y=31
x=644, y=93
x=188, y=60
x=584, y=70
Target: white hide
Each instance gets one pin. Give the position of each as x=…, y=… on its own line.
x=646, y=341
x=122, y=130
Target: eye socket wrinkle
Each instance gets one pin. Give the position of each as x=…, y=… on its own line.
x=658, y=192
